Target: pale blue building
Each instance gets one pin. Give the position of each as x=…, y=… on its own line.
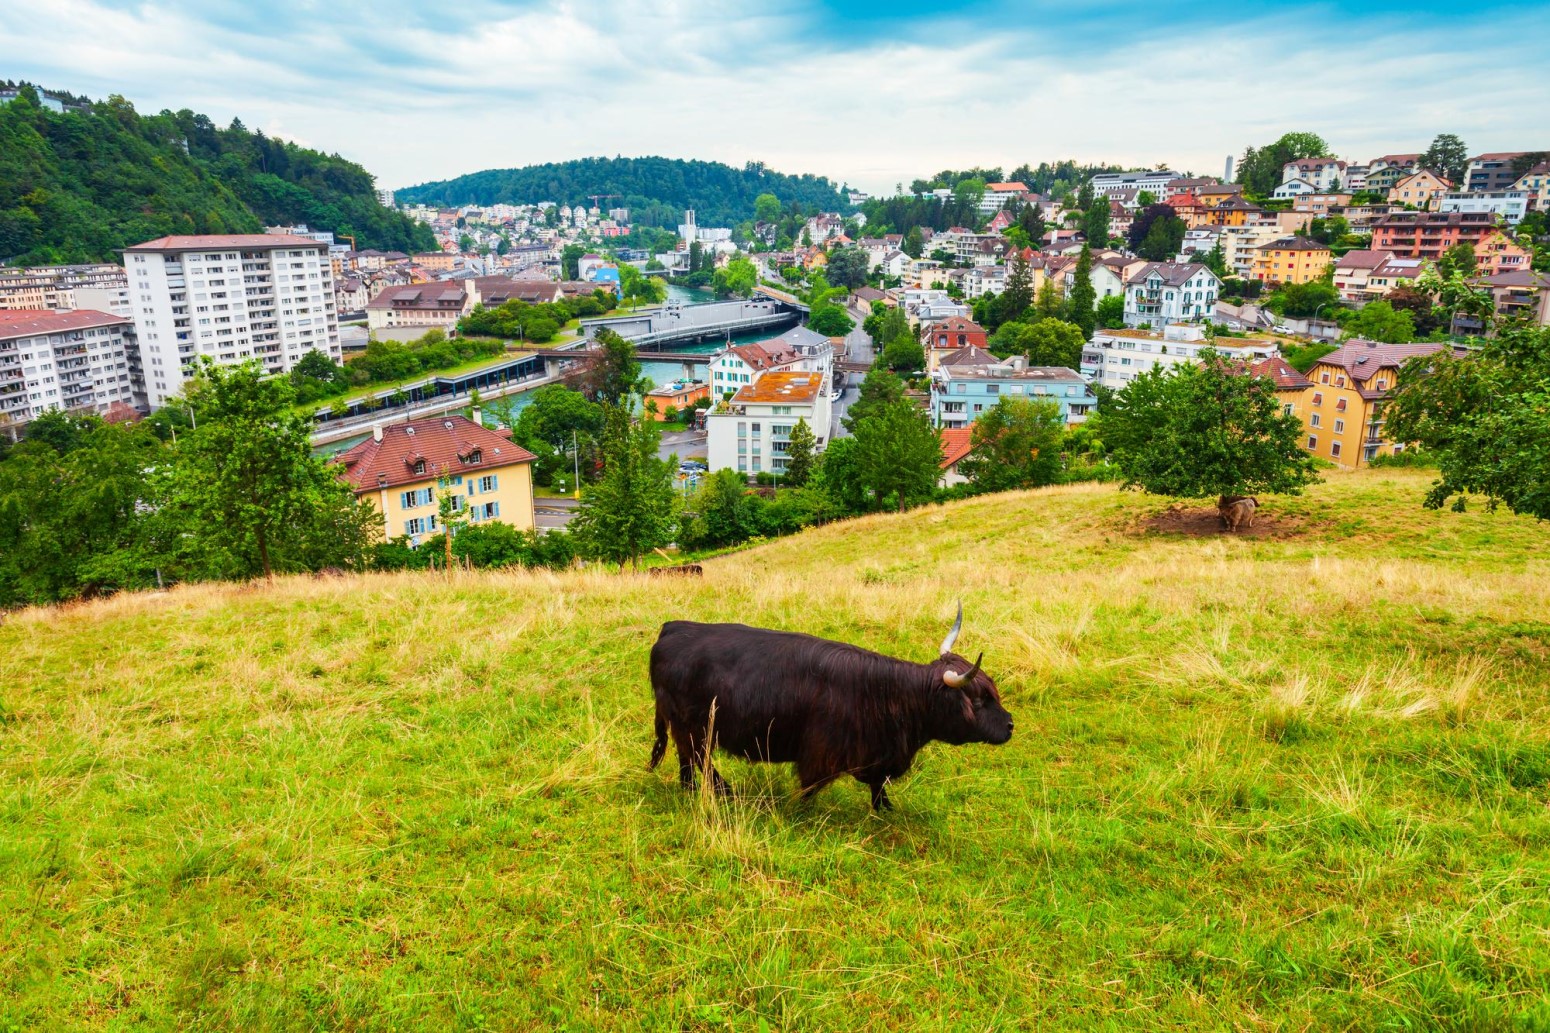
x=960, y=394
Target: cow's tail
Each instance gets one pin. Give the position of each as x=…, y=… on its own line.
x=658, y=748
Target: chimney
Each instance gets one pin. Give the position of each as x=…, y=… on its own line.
x=479, y=416
x=376, y=432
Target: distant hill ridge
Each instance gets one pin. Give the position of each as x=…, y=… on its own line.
x=655, y=189
x=79, y=183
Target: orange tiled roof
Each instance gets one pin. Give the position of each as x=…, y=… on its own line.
x=446, y=444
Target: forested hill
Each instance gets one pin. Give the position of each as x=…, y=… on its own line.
x=656, y=190
x=76, y=185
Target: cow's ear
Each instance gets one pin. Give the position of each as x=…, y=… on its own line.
x=968, y=707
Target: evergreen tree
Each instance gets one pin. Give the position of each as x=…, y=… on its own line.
x=799, y=454
x=1085, y=196
x=631, y=510
x=1448, y=157
x=1018, y=296
x=898, y=454
x=615, y=373
x=914, y=242
x=879, y=389
x=1096, y=223
x=1084, y=298
x=1049, y=304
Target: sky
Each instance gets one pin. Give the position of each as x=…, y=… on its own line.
x=870, y=93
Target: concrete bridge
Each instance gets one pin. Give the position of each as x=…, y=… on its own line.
x=676, y=323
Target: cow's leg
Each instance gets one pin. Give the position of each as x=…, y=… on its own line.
x=694, y=756
x=880, y=801
x=686, y=752
x=814, y=772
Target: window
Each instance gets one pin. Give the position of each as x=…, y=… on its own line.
x=1318, y=398
x=1325, y=378
x=1340, y=426
x=417, y=497
x=1340, y=405
x=1334, y=449
x=1313, y=421
x=489, y=483
x=1313, y=442
x=419, y=466
x=1287, y=408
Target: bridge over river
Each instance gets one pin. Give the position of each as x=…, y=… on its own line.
x=651, y=332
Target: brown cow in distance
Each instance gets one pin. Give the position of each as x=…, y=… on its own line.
x=1237, y=511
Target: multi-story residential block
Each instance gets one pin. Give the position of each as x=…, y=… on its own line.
x=997, y=195
x=1114, y=358
x=1291, y=260
x=410, y=309
x=1156, y=182
x=1508, y=206
x=797, y=350
x=1498, y=253
x=103, y=288
x=1240, y=246
x=1492, y=171
x=1352, y=271
x=1429, y=234
x=1420, y=189
x=1320, y=205
x=1395, y=271
x=402, y=467
x=268, y=297
x=751, y=433
x=76, y=361
x=1159, y=293
x=961, y=394
x=1343, y=408
x=1519, y=294
x=1295, y=187
x=1326, y=175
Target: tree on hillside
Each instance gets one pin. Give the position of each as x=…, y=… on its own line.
x=1484, y=418
x=1050, y=303
x=828, y=318
x=1200, y=430
x=1086, y=196
x=247, y=490
x=1084, y=298
x=1260, y=168
x=1031, y=221
x=555, y=422
x=1111, y=312
x=1447, y=156
x=1460, y=258
x=898, y=455
x=736, y=279
x=914, y=242
x=570, y=261
x=800, y=450
x=1379, y=321
x=632, y=509
x=1017, y=299
x=879, y=389
x=904, y=355
x=766, y=208
x=615, y=372
x=1016, y=444
x=847, y=268
x=1095, y=224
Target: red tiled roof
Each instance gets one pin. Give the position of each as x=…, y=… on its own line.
x=958, y=324
x=445, y=443
x=248, y=241
x=957, y=442
x=1276, y=369
x=26, y=322
x=763, y=356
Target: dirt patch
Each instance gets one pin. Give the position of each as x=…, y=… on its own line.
x=1205, y=522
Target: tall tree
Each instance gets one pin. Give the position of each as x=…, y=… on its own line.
x=847, y=267
x=1484, y=418
x=879, y=389
x=1095, y=224
x=632, y=509
x=615, y=372
x=898, y=454
x=1199, y=430
x=1016, y=444
x=1018, y=296
x=766, y=208
x=799, y=454
x=914, y=242
x=247, y=490
x=736, y=279
x=1447, y=156
x=1260, y=169
x=1084, y=297
x=1050, y=303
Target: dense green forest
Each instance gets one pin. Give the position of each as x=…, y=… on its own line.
x=655, y=190
x=75, y=186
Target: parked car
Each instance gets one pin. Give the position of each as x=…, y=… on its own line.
x=1282, y=328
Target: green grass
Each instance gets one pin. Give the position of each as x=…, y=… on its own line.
x=1287, y=782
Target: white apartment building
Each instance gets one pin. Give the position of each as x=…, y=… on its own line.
x=1114, y=358
x=1239, y=244
x=751, y=433
x=232, y=298
x=76, y=361
x=1508, y=205
x=1159, y=293
x=1324, y=174
x=61, y=287
x=1112, y=184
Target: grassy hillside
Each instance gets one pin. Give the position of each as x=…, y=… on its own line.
x=78, y=186
x=1293, y=781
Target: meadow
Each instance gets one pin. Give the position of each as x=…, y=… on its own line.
x=1290, y=781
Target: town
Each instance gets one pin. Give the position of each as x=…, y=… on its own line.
x=554, y=516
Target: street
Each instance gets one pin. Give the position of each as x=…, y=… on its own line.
x=553, y=513
x=686, y=444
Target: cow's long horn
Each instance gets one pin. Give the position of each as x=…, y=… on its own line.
x=958, y=681
x=952, y=636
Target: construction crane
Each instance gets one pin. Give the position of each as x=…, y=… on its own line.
x=600, y=197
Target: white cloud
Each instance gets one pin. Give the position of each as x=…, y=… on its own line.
x=466, y=88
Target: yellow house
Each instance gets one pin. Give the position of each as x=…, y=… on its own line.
x=403, y=466
x=1498, y=253
x=1342, y=410
x=1423, y=189
x=1291, y=386
x=1291, y=260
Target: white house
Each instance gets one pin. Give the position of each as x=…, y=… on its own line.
x=1110, y=184
x=1295, y=187
x=751, y=432
x=1325, y=174
x=1113, y=358
x=1159, y=293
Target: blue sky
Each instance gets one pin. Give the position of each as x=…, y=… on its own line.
x=872, y=93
